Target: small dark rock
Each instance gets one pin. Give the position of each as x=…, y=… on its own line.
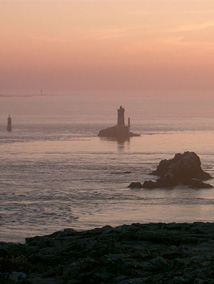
x=135, y=185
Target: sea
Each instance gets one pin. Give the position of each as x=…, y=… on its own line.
x=56, y=173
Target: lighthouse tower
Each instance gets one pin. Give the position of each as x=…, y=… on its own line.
x=120, y=131
x=9, y=123
x=120, y=117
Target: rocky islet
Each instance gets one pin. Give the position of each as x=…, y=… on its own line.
x=183, y=169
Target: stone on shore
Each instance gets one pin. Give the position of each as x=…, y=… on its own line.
x=137, y=253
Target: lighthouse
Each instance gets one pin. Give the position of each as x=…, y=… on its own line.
x=120, y=117
x=120, y=131
x=9, y=123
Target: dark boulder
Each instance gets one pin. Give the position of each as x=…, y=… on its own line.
x=150, y=184
x=183, y=169
x=163, y=183
x=168, y=180
x=135, y=185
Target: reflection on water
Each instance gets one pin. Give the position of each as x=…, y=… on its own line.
x=55, y=172
x=50, y=184
x=122, y=143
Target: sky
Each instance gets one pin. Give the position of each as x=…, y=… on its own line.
x=106, y=45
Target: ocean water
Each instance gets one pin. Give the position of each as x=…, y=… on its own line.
x=55, y=172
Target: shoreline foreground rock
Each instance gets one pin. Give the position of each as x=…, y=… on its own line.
x=128, y=254
x=183, y=169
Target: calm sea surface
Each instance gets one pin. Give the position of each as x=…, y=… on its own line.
x=56, y=173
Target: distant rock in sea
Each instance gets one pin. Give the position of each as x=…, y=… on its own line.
x=119, y=131
x=183, y=169
x=9, y=124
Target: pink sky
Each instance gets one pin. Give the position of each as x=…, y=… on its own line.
x=113, y=45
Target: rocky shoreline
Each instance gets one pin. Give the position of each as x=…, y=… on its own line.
x=129, y=254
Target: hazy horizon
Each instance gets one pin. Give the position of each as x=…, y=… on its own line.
x=109, y=47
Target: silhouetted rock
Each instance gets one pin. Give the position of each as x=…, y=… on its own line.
x=121, y=173
x=183, y=166
x=135, y=185
x=168, y=180
x=164, y=183
x=137, y=253
x=182, y=169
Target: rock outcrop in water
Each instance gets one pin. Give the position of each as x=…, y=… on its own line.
x=120, y=131
x=128, y=254
x=183, y=169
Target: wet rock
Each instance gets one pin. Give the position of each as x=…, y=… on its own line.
x=178, y=280
x=4, y=277
x=149, y=184
x=159, y=262
x=182, y=169
x=133, y=281
x=183, y=166
x=75, y=268
x=121, y=173
x=17, y=277
x=135, y=185
x=137, y=253
x=47, y=280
